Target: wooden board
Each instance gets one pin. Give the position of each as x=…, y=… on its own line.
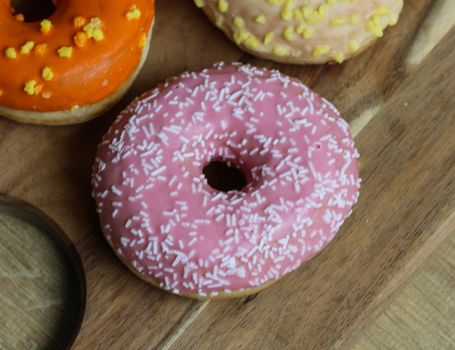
x=423, y=315
x=398, y=96
x=42, y=294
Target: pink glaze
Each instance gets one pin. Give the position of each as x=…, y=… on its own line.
x=160, y=215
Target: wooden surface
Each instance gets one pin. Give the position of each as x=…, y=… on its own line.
x=398, y=96
x=423, y=315
x=42, y=295
x=32, y=296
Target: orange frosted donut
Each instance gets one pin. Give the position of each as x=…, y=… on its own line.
x=303, y=31
x=72, y=66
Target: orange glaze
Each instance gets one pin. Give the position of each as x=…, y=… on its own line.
x=94, y=71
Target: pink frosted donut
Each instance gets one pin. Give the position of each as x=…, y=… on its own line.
x=171, y=228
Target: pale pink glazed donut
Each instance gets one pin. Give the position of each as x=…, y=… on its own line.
x=303, y=31
x=171, y=228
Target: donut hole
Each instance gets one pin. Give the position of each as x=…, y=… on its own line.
x=33, y=11
x=223, y=176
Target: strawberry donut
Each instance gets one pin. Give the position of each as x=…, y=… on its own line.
x=73, y=65
x=159, y=191
x=303, y=31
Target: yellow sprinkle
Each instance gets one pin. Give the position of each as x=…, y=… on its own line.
x=280, y=50
x=79, y=22
x=29, y=87
x=382, y=11
x=337, y=21
x=143, y=40
x=308, y=33
x=239, y=22
x=65, y=52
x=374, y=27
x=298, y=16
x=27, y=47
x=286, y=15
x=289, y=33
x=306, y=12
x=355, y=19
x=241, y=36
x=47, y=74
x=252, y=42
x=19, y=17
x=134, y=13
x=11, y=53
x=223, y=6
x=268, y=38
x=287, y=11
x=322, y=11
x=339, y=57
x=98, y=34
x=320, y=50
x=89, y=28
x=96, y=22
x=80, y=39
x=313, y=18
x=260, y=19
x=199, y=3
x=300, y=29
x=46, y=26
x=393, y=21
x=353, y=46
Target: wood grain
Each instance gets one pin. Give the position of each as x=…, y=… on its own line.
x=42, y=292
x=404, y=121
x=422, y=316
